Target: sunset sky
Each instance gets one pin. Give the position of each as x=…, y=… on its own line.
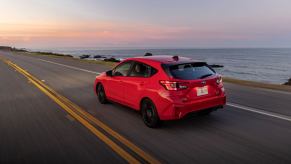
x=145, y=23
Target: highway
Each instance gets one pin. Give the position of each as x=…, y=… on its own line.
x=49, y=113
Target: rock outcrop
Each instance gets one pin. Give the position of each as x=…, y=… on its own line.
x=288, y=82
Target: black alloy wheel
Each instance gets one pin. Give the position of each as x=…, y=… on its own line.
x=149, y=114
x=101, y=94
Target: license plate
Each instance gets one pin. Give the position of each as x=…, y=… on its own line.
x=202, y=91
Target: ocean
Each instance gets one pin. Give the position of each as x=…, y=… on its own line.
x=269, y=65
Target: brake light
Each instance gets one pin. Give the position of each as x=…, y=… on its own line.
x=219, y=80
x=174, y=85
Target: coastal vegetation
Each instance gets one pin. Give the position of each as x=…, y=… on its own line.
x=257, y=84
x=5, y=48
x=51, y=54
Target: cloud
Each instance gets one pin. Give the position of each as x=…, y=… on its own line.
x=109, y=33
x=98, y=32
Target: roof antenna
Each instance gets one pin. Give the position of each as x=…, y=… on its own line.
x=176, y=58
x=148, y=54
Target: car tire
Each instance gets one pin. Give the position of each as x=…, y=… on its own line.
x=149, y=114
x=101, y=94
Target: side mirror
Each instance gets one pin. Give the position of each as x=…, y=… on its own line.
x=109, y=73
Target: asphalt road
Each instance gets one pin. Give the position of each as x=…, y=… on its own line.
x=33, y=128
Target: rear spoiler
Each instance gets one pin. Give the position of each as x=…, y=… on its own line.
x=198, y=63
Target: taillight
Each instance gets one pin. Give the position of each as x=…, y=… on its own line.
x=219, y=80
x=174, y=85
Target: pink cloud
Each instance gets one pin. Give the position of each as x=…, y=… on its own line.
x=117, y=33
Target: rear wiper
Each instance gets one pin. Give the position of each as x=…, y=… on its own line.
x=204, y=76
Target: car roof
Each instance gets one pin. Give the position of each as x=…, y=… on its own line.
x=165, y=59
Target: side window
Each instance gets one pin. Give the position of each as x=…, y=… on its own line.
x=142, y=70
x=122, y=69
x=153, y=71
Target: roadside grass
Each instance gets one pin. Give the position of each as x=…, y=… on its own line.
x=69, y=57
x=257, y=84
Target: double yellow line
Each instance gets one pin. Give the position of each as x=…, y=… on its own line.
x=88, y=120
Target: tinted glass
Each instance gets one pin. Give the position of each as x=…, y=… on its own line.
x=122, y=69
x=142, y=70
x=190, y=71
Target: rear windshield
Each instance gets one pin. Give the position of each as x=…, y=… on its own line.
x=190, y=71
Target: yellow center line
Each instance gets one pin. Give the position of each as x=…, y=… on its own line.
x=67, y=107
x=96, y=132
x=87, y=116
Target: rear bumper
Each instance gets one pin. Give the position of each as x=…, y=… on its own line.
x=174, y=111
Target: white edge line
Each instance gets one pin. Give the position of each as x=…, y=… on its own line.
x=72, y=67
x=271, y=114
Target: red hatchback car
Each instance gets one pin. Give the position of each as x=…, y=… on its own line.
x=162, y=87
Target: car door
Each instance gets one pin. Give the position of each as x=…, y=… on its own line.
x=137, y=83
x=115, y=88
